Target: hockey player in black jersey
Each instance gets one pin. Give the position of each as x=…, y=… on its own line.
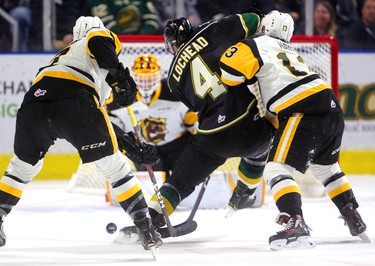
x=66, y=101
x=309, y=126
x=229, y=124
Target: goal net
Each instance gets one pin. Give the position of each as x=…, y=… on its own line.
x=319, y=52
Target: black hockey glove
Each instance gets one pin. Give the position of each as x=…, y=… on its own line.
x=255, y=10
x=145, y=155
x=123, y=85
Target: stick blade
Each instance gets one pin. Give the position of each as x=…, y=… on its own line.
x=180, y=229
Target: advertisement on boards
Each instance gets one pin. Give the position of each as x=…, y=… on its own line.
x=357, y=98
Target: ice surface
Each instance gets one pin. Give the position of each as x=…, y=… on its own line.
x=50, y=226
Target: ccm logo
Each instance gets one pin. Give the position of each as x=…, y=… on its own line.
x=93, y=146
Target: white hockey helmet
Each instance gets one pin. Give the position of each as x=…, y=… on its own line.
x=278, y=25
x=84, y=24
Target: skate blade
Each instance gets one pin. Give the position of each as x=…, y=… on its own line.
x=300, y=242
x=364, y=237
x=230, y=212
x=154, y=251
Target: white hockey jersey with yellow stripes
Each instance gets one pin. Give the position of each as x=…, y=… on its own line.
x=284, y=79
x=77, y=63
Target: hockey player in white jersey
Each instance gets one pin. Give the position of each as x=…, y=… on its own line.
x=308, y=120
x=164, y=121
x=66, y=101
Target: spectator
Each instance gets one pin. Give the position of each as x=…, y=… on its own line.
x=127, y=17
x=361, y=34
x=168, y=10
x=292, y=7
x=346, y=11
x=67, y=12
x=21, y=12
x=217, y=9
x=324, y=19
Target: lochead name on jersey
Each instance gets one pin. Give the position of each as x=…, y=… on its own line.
x=186, y=54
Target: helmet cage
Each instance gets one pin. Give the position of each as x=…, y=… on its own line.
x=147, y=84
x=147, y=75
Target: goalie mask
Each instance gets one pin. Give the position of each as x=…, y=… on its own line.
x=84, y=24
x=278, y=25
x=147, y=75
x=176, y=33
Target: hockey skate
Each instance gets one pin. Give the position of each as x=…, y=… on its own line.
x=148, y=236
x=295, y=235
x=157, y=218
x=355, y=223
x=2, y=235
x=242, y=198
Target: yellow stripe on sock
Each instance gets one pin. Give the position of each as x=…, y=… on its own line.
x=167, y=204
x=286, y=190
x=339, y=190
x=10, y=190
x=129, y=193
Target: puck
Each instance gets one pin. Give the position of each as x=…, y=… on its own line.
x=111, y=228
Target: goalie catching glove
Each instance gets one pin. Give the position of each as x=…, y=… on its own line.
x=145, y=155
x=123, y=85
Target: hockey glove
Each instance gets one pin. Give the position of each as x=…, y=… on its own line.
x=123, y=85
x=145, y=155
x=255, y=10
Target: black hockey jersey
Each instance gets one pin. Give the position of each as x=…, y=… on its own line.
x=194, y=75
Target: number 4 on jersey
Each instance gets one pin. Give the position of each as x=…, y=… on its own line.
x=205, y=81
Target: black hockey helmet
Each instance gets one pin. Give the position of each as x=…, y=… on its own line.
x=176, y=32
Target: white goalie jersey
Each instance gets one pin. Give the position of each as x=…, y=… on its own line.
x=162, y=121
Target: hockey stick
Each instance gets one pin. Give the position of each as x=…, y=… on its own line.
x=172, y=231
x=184, y=228
x=189, y=225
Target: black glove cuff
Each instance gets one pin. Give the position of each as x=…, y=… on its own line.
x=256, y=11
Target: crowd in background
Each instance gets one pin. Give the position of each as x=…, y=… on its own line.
x=351, y=22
